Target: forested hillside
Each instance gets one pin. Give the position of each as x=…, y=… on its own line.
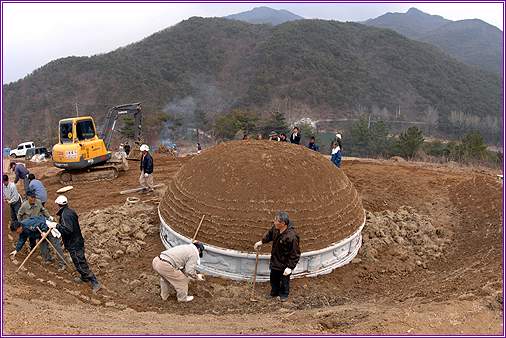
x=205, y=68
x=473, y=42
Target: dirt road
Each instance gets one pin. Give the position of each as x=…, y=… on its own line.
x=381, y=293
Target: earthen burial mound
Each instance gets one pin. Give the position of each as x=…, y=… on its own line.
x=240, y=185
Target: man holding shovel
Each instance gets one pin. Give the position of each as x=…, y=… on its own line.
x=27, y=228
x=175, y=265
x=285, y=254
x=74, y=241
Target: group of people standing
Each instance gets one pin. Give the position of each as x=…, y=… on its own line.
x=31, y=221
x=336, y=145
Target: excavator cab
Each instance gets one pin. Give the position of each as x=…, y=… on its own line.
x=84, y=155
x=79, y=145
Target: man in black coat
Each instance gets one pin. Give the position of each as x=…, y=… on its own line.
x=146, y=178
x=285, y=254
x=295, y=138
x=73, y=241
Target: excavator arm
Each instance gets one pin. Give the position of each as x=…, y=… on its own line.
x=113, y=115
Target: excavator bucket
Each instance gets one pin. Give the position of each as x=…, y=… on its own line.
x=135, y=152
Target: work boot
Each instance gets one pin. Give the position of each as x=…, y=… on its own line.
x=188, y=299
x=48, y=262
x=269, y=296
x=143, y=191
x=283, y=299
x=96, y=286
x=150, y=192
x=81, y=280
x=62, y=268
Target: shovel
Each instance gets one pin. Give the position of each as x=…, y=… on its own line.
x=254, y=279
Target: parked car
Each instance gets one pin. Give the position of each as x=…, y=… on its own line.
x=37, y=151
x=20, y=151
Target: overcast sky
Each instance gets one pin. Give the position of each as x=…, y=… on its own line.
x=34, y=34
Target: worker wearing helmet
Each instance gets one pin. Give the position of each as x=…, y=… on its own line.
x=175, y=265
x=73, y=241
x=146, y=178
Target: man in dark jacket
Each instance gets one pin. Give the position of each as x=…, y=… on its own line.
x=295, y=138
x=27, y=228
x=146, y=178
x=21, y=173
x=74, y=241
x=285, y=254
x=127, y=148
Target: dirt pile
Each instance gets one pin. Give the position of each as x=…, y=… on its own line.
x=117, y=231
x=162, y=149
x=413, y=237
x=239, y=186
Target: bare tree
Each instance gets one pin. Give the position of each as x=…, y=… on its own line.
x=376, y=111
x=359, y=110
x=384, y=114
x=293, y=110
x=432, y=117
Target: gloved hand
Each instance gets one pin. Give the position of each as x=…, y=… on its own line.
x=287, y=272
x=13, y=254
x=257, y=245
x=50, y=225
x=55, y=233
x=146, y=175
x=200, y=277
x=51, y=218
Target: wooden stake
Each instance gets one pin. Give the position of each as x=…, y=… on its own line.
x=43, y=238
x=198, y=228
x=52, y=245
x=139, y=189
x=254, y=279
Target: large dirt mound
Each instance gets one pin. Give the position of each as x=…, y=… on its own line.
x=240, y=185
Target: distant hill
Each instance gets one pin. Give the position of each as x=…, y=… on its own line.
x=473, y=42
x=209, y=66
x=265, y=15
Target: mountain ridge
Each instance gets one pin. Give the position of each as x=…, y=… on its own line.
x=327, y=68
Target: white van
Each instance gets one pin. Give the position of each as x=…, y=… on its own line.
x=20, y=151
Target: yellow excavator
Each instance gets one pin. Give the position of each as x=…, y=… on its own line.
x=83, y=155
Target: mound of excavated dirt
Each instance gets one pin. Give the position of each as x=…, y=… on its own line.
x=240, y=185
x=413, y=237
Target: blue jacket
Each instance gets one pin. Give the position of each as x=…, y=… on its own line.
x=29, y=226
x=313, y=146
x=40, y=191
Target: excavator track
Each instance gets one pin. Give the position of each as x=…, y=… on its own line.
x=92, y=174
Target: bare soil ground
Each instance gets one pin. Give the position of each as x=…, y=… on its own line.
x=459, y=293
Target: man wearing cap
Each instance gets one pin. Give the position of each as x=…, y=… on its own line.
x=337, y=146
x=28, y=229
x=146, y=178
x=273, y=136
x=285, y=254
x=175, y=266
x=38, y=187
x=73, y=241
x=11, y=196
x=32, y=207
x=21, y=172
